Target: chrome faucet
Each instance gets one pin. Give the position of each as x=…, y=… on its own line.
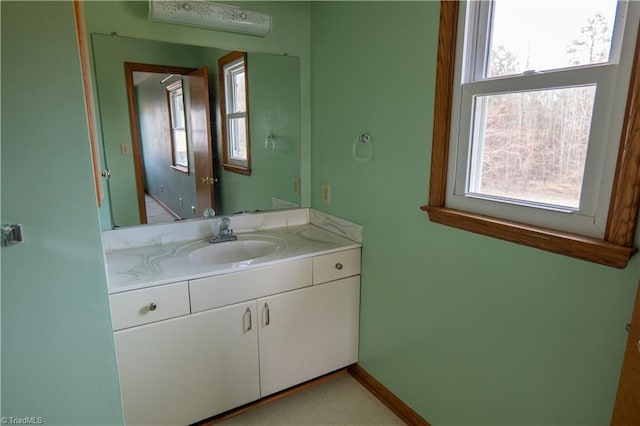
x=224, y=232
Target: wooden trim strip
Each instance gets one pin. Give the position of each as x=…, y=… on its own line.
x=445, y=70
x=394, y=403
x=623, y=208
x=78, y=11
x=136, y=141
x=578, y=246
x=626, y=410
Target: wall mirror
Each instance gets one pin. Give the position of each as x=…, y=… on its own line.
x=158, y=162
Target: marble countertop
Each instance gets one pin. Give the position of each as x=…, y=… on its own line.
x=151, y=265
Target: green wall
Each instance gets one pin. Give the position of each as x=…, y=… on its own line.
x=58, y=359
x=467, y=330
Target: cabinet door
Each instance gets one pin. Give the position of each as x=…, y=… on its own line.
x=182, y=370
x=308, y=332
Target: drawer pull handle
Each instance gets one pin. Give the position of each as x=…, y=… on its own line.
x=153, y=306
x=339, y=266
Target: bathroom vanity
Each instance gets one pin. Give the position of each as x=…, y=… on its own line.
x=202, y=328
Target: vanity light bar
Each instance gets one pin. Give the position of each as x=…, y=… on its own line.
x=210, y=15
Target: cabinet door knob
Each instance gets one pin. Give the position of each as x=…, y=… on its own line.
x=339, y=266
x=153, y=306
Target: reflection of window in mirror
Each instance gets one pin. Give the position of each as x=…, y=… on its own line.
x=179, y=154
x=232, y=71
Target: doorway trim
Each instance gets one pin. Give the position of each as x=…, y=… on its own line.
x=136, y=142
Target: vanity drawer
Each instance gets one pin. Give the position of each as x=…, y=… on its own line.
x=334, y=266
x=138, y=307
x=227, y=289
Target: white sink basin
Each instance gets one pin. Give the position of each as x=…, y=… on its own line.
x=244, y=249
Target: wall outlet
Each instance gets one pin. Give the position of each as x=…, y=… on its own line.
x=124, y=149
x=326, y=193
x=296, y=186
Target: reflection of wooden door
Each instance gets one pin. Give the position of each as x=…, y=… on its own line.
x=201, y=139
x=627, y=409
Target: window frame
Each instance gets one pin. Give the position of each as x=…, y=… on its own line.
x=590, y=218
x=228, y=162
x=173, y=88
x=614, y=249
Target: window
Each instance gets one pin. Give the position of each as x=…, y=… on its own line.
x=234, y=112
x=528, y=122
x=177, y=119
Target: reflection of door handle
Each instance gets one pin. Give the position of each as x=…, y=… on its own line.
x=208, y=180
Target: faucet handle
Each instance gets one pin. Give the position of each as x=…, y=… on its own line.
x=224, y=222
x=224, y=226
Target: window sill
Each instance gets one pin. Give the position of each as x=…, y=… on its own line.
x=237, y=169
x=180, y=169
x=573, y=245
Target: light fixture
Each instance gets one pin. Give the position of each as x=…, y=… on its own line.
x=167, y=78
x=210, y=15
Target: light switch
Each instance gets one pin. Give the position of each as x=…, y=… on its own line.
x=124, y=149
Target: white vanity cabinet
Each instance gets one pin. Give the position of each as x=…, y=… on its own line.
x=182, y=370
x=306, y=333
x=248, y=334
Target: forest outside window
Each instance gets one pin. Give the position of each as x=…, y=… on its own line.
x=177, y=118
x=528, y=122
x=234, y=101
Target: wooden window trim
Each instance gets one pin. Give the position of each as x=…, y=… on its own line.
x=614, y=249
x=226, y=165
